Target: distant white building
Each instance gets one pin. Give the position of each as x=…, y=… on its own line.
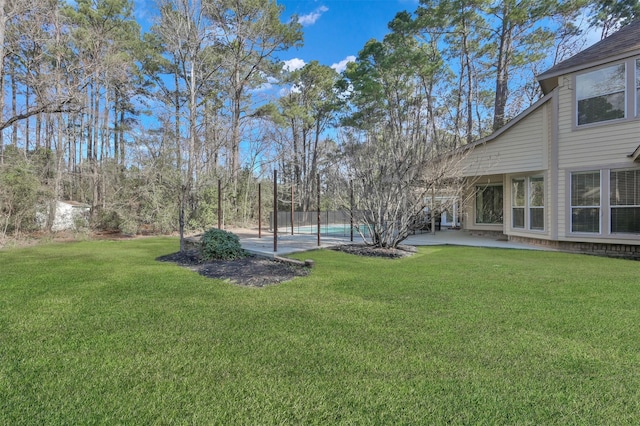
x=70, y=215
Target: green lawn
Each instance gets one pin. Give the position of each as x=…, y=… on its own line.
x=101, y=333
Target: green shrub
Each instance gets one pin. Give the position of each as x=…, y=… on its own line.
x=219, y=244
x=107, y=219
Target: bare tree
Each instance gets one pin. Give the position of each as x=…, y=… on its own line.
x=249, y=33
x=389, y=151
x=28, y=40
x=393, y=178
x=187, y=35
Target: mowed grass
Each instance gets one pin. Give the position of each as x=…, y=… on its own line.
x=101, y=333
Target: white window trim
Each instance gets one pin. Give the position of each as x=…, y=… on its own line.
x=600, y=207
x=611, y=207
x=631, y=103
x=523, y=206
x=527, y=204
x=605, y=206
x=530, y=206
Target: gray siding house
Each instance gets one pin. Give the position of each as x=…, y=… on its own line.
x=566, y=172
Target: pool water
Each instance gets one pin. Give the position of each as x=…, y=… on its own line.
x=328, y=229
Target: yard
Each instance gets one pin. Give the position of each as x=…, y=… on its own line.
x=100, y=332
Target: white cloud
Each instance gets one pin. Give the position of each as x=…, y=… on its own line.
x=311, y=18
x=264, y=87
x=342, y=65
x=293, y=64
x=285, y=91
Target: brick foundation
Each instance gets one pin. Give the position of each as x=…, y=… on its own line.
x=624, y=251
x=497, y=235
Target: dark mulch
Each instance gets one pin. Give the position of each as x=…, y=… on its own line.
x=249, y=271
x=255, y=271
x=365, y=250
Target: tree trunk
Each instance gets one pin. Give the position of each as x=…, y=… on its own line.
x=95, y=142
x=502, y=73
x=235, y=135
x=3, y=28
x=14, y=102
x=116, y=132
x=38, y=130
x=27, y=141
x=123, y=147
x=58, y=158
x=470, y=89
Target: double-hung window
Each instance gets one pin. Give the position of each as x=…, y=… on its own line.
x=624, y=200
x=527, y=203
x=600, y=94
x=536, y=203
x=585, y=202
x=517, y=202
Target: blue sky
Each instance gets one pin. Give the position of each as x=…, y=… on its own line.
x=336, y=30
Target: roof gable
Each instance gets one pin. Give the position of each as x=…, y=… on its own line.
x=621, y=44
x=511, y=123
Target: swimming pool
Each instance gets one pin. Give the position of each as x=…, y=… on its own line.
x=336, y=229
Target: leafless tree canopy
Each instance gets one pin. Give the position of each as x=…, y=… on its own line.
x=393, y=178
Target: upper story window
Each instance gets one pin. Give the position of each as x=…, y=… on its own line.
x=600, y=94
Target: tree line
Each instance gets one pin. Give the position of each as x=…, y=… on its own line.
x=142, y=125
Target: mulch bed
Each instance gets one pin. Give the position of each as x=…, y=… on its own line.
x=250, y=271
x=253, y=271
x=365, y=250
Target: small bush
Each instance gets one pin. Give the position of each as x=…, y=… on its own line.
x=222, y=245
x=107, y=219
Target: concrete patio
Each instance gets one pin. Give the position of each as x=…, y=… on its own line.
x=288, y=244
x=463, y=238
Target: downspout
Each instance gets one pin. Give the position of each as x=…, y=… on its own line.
x=554, y=165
